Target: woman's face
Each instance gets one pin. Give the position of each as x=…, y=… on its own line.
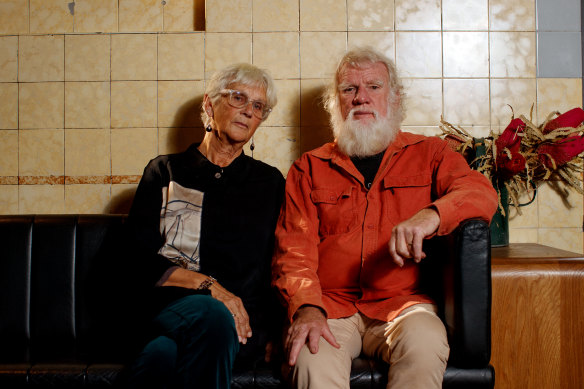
x=237, y=125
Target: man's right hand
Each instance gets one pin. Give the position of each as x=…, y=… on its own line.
x=308, y=326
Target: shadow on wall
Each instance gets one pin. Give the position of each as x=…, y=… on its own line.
x=315, y=127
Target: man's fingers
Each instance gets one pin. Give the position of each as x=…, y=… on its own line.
x=329, y=337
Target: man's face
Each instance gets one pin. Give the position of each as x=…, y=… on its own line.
x=364, y=89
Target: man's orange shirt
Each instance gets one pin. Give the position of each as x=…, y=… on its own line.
x=332, y=235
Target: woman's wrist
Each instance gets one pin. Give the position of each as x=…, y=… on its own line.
x=207, y=283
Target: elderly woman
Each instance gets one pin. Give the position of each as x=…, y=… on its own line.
x=202, y=229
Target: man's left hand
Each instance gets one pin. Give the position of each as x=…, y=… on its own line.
x=407, y=237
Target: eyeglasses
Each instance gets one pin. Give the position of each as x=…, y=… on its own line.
x=239, y=99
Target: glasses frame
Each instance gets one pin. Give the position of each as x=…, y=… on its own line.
x=230, y=92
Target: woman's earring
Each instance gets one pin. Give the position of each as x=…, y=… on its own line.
x=252, y=146
x=208, y=128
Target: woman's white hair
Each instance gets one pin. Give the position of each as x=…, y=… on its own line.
x=239, y=73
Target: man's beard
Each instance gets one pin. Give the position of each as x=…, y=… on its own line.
x=357, y=139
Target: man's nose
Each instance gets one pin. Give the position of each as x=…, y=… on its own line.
x=361, y=97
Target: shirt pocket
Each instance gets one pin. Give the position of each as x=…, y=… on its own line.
x=336, y=210
x=407, y=195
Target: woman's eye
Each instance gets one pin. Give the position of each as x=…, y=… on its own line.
x=258, y=106
x=239, y=98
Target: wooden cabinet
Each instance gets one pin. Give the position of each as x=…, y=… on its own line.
x=537, y=317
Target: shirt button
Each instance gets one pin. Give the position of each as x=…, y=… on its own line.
x=217, y=175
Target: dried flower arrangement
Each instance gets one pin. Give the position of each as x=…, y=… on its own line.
x=524, y=155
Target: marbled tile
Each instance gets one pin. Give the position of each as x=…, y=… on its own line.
x=276, y=15
x=465, y=14
x=423, y=130
x=320, y=52
x=179, y=15
x=96, y=15
x=323, y=15
x=140, y=15
x=41, y=199
x=9, y=106
x=51, y=16
x=181, y=56
x=518, y=15
x=312, y=111
x=368, y=15
x=8, y=58
x=179, y=103
x=513, y=54
x=41, y=58
x=87, y=198
x=478, y=131
x=569, y=239
x=176, y=140
x=423, y=101
x=132, y=148
x=523, y=235
x=9, y=199
x=529, y=217
x=466, y=54
x=14, y=17
x=133, y=104
x=228, y=16
x=8, y=153
x=419, y=54
x=557, y=94
x=223, y=49
x=556, y=211
x=87, y=57
x=417, y=15
x=278, y=52
x=466, y=102
x=277, y=146
x=41, y=105
x=41, y=153
x=517, y=93
x=134, y=57
x=383, y=41
x=87, y=152
x=121, y=198
x=87, y=105
x=287, y=111
x=312, y=137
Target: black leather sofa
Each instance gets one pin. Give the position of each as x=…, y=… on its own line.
x=61, y=325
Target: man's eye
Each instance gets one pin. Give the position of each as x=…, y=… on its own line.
x=349, y=90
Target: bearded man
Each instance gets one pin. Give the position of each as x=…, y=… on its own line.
x=350, y=233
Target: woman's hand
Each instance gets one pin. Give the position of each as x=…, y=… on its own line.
x=235, y=306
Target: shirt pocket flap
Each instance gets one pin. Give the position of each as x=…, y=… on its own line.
x=329, y=196
x=424, y=179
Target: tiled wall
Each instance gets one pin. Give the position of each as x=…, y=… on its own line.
x=90, y=90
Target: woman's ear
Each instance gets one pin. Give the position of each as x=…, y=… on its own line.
x=208, y=106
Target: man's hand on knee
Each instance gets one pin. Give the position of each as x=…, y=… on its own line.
x=308, y=326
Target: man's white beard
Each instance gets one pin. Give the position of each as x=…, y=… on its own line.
x=357, y=139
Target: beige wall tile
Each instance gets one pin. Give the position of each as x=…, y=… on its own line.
x=466, y=54
x=529, y=217
x=465, y=14
x=140, y=15
x=176, y=140
x=14, y=17
x=228, y=16
x=9, y=199
x=9, y=106
x=287, y=111
x=87, y=104
x=312, y=112
x=517, y=93
x=96, y=15
x=557, y=94
x=466, y=101
x=50, y=16
x=8, y=153
x=523, y=235
x=423, y=101
x=323, y=15
x=370, y=15
x=121, y=198
x=41, y=105
x=134, y=57
x=41, y=58
x=41, y=153
x=133, y=104
x=556, y=211
x=569, y=239
x=132, y=148
x=478, y=131
x=277, y=146
x=518, y=15
x=320, y=52
x=278, y=52
x=87, y=198
x=423, y=130
x=513, y=54
x=180, y=15
x=419, y=54
x=417, y=15
x=383, y=41
x=276, y=15
x=87, y=57
x=223, y=49
x=179, y=103
x=87, y=152
x=8, y=58
x=41, y=199
x=181, y=56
